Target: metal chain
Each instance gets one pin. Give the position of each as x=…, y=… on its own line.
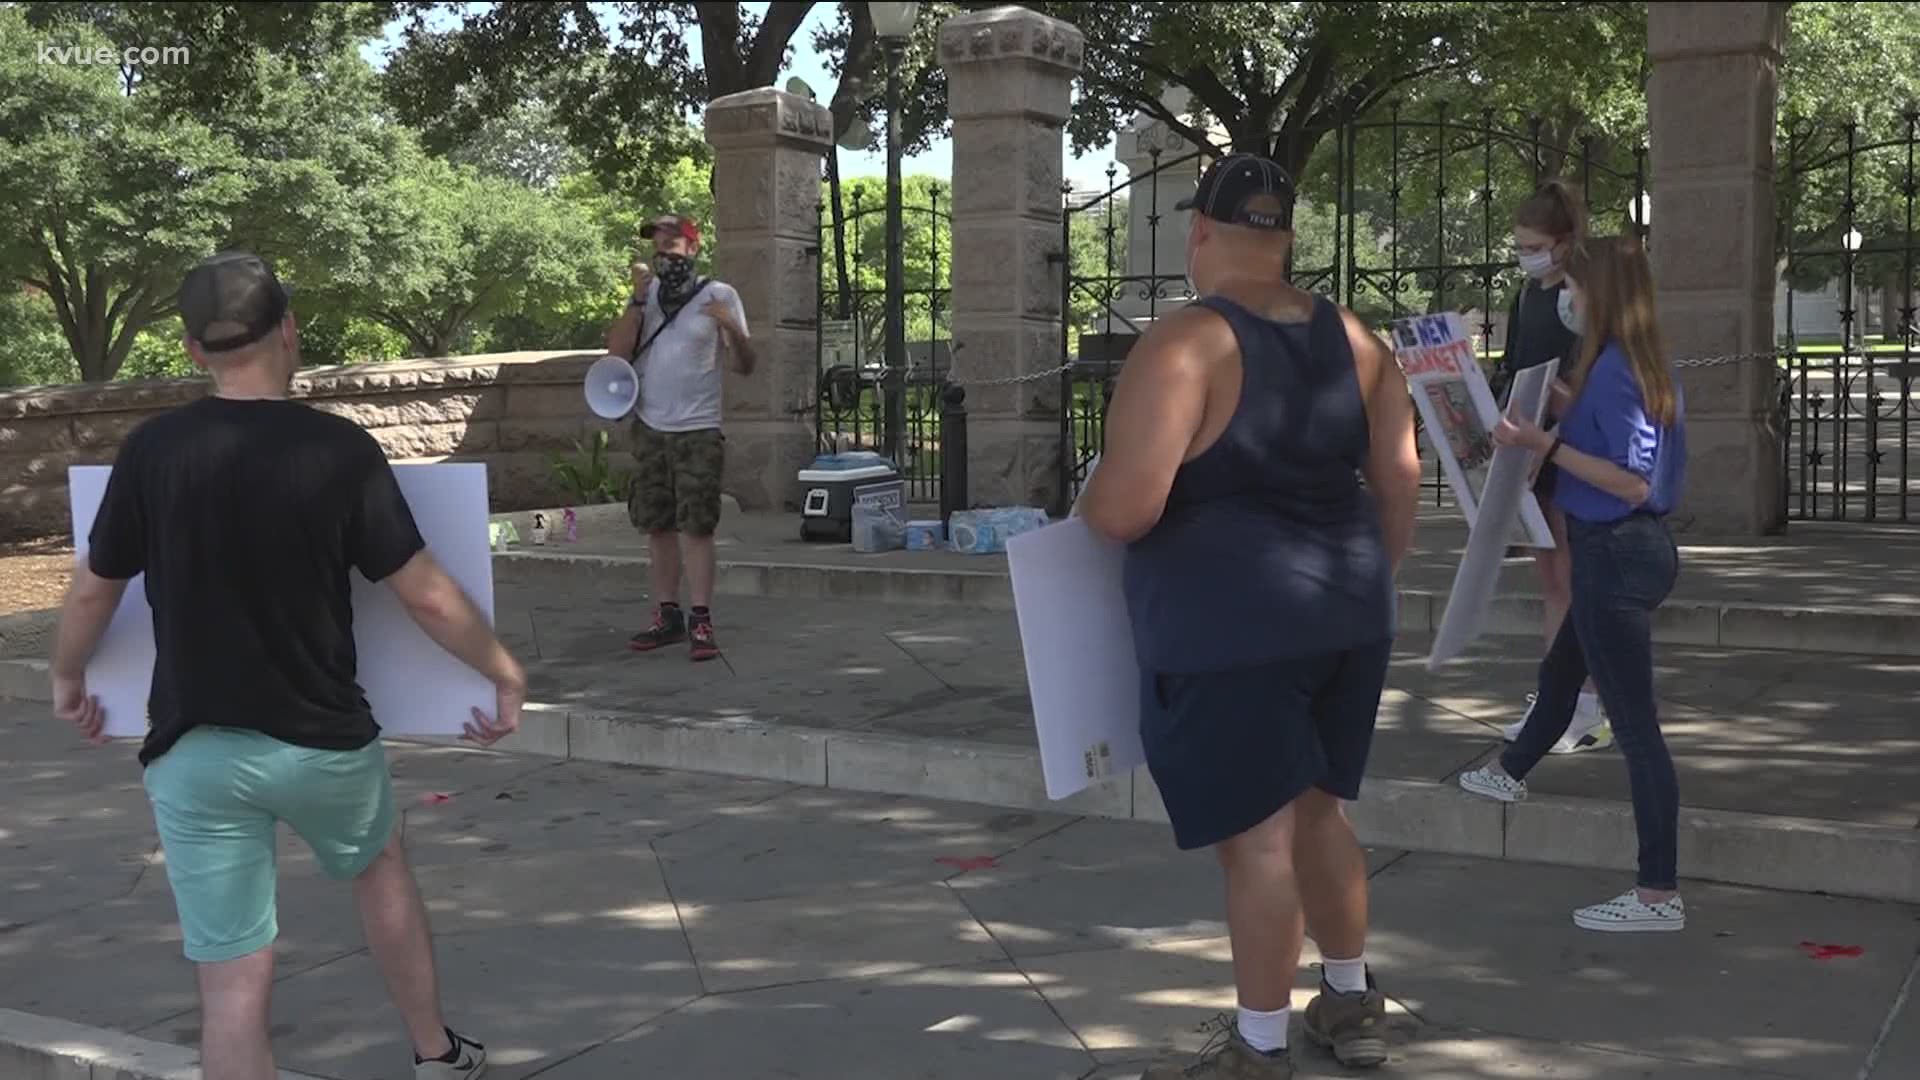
x=1015, y=380
x=1732, y=358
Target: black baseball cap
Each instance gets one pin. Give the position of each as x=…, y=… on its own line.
x=231, y=300
x=1232, y=182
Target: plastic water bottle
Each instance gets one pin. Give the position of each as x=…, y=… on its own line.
x=540, y=529
x=573, y=526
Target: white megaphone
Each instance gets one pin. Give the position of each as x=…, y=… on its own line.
x=613, y=388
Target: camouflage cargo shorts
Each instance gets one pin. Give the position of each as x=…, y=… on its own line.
x=676, y=480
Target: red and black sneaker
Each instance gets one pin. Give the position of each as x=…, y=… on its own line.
x=669, y=628
x=704, y=646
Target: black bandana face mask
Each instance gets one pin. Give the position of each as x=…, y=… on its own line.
x=676, y=276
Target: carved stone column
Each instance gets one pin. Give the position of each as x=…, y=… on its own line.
x=1010, y=75
x=767, y=146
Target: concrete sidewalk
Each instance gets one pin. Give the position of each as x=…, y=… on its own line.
x=599, y=922
x=1846, y=588
x=1762, y=732
x=1797, y=770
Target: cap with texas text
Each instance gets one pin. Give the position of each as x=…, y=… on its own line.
x=1233, y=183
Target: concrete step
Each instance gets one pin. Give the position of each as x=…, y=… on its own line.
x=1879, y=862
x=38, y=1046
x=1681, y=621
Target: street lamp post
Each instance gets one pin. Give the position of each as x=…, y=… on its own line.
x=893, y=24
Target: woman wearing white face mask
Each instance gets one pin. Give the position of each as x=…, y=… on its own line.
x=1541, y=328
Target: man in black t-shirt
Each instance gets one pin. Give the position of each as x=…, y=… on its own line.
x=246, y=511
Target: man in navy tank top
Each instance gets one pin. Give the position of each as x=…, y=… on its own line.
x=1260, y=468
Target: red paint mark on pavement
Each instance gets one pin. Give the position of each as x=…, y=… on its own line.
x=432, y=797
x=1829, y=952
x=964, y=863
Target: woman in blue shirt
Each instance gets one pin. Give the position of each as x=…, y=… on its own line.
x=1621, y=453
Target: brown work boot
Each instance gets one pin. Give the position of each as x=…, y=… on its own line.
x=1226, y=1057
x=1353, y=1026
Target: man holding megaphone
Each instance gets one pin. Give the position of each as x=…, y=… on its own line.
x=674, y=329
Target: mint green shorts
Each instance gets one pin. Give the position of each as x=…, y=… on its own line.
x=218, y=796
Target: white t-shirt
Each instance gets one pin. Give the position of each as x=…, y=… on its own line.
x=680, y=371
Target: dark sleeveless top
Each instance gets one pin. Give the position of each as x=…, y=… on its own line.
x=1270, y=546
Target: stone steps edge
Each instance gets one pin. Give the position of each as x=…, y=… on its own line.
x=47, y=1048
x=1707, y=624
x=1875, y=862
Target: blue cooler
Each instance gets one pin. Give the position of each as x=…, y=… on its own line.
x=828, y=490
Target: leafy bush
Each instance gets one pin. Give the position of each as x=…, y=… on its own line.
x=588, y=477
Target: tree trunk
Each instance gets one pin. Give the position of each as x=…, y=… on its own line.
x=842, y=278
x=83, y=320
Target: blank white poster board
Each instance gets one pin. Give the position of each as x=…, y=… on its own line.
x=1082, y=673
x=1500, y=501
x=415, y=687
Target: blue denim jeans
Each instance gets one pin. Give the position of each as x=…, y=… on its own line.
x=1622, y=571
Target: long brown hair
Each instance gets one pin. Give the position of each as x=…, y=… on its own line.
x=1556, y=209
x=1616, y=299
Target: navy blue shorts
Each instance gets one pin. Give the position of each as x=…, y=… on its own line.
x=1229, y=749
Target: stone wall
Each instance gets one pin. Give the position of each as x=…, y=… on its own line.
x=511, y=411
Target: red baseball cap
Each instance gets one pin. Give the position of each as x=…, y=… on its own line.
x=668, y=224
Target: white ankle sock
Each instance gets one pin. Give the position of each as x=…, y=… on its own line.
x=1589, y=709
x=1265, y=1031
x=1346, y=976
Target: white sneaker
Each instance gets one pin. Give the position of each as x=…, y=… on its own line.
x=1597, y=737
x=1512, y=731
x=1625, y=914
x=1589, y=730
x=1491, y=783
x=469, y=1062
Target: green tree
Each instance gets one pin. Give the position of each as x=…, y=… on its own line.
x=1280, y=77
x=528, y=144
x=926, y=258
x=622, y=77
x=112, y=184
x=579, y=318
x=859, y=62
x=1847, y=64
x=471, y=247
x=32, y=352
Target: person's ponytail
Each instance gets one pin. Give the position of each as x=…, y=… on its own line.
x=1555, y=208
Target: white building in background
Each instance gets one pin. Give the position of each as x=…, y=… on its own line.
x=1816, y=313
x=1159, y=251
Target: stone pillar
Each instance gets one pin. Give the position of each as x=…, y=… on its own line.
x=1710, y=109
x=1010, y=74
x=767, y=147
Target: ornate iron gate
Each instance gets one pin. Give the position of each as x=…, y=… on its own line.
x=851, y=362
x=1847, y=205
x=1397, y=215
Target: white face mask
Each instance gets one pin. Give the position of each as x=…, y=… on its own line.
x=1536, y=264
x=1569, y=318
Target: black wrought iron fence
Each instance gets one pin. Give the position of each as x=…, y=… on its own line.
x=1403, y=214
x=1847, y=203
x=852, y=365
